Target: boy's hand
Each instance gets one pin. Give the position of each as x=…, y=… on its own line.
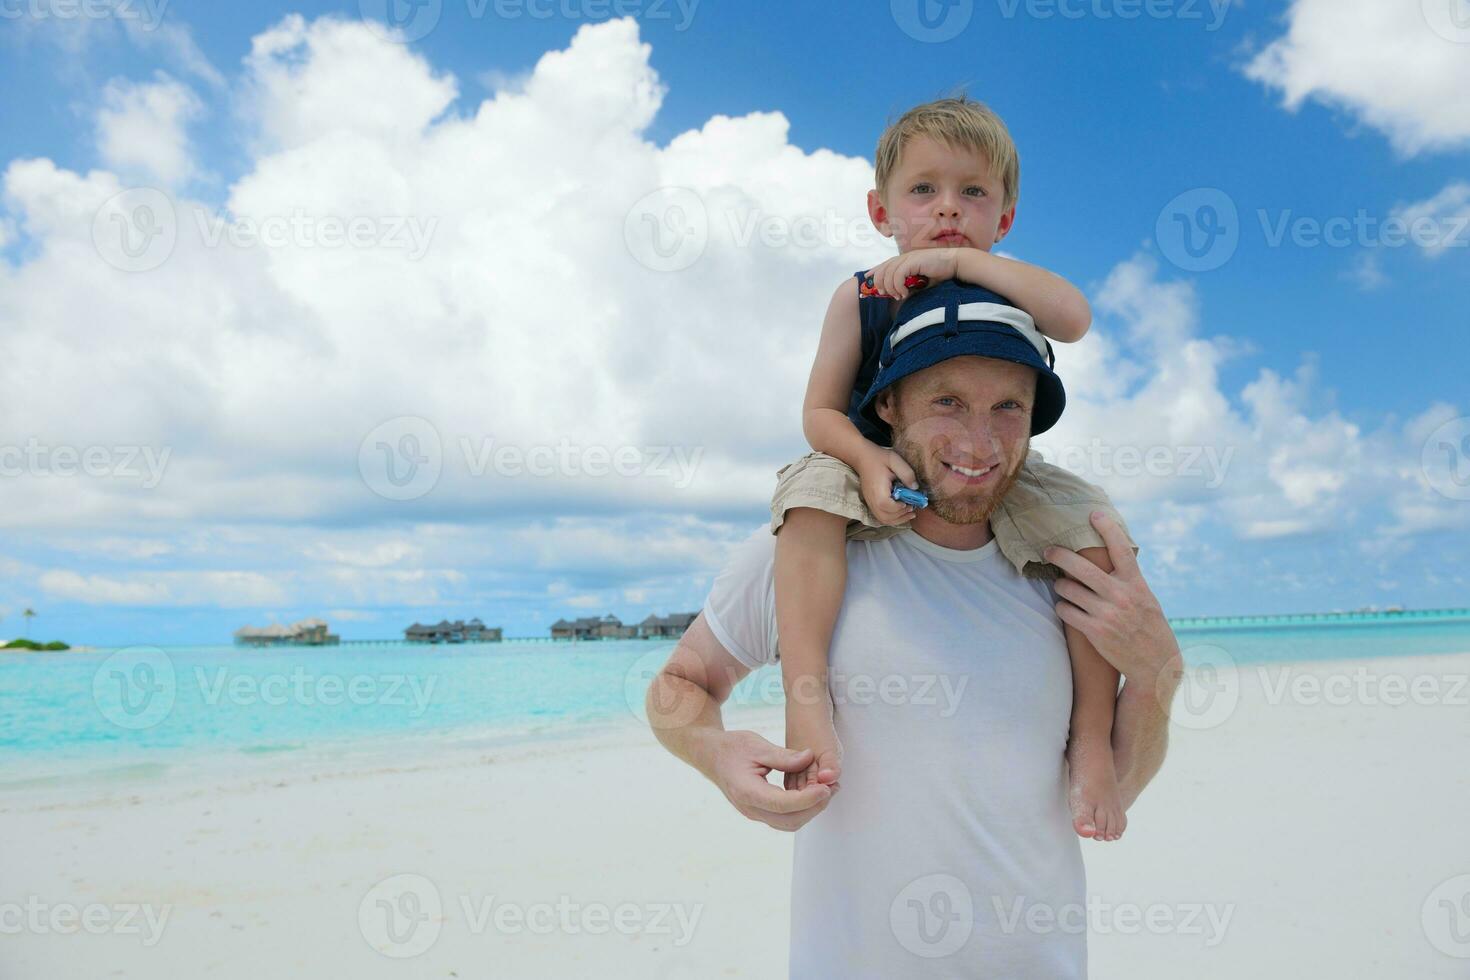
x=877, y=476
x=937, y=264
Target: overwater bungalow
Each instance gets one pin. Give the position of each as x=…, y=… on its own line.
x=607, y=627
x=307, y=632
x=458, y=631
x=672, y=625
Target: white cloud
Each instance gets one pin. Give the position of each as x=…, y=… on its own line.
x=141, y=23
x=1444, y=219
x=377, y=555
x=1381, y=61
x=193, y=588
x=332, y=79
x=1172, y=445
x=141, y=129
x=529, y=322
x=1367, y=272
x=351, y=615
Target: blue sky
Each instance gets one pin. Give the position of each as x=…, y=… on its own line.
x=1331, y=364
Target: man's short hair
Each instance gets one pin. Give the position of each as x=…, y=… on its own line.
x=959, y=121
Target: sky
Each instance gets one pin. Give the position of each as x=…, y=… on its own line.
x=403, y=310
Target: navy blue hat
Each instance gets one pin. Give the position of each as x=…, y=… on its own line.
x=954, y=318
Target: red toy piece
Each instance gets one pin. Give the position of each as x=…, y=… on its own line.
x=910, y=282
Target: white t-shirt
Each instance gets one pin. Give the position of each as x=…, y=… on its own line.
x=950, y=850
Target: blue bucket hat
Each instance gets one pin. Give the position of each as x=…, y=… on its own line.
x=952, y=319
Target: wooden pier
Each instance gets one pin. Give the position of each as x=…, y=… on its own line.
x=1364, y=616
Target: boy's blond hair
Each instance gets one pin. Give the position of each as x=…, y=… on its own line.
x=959, y=121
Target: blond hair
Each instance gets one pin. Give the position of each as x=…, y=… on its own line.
x=959, y=121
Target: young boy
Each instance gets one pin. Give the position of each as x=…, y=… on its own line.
x=947, y=177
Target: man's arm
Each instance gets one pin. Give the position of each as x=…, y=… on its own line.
x=1121, y=617
x=683, y=704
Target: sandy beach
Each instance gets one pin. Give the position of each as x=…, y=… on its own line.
x=1314, y=829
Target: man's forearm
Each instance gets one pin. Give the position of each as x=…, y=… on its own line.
x=685, y=719
x=1141, y=731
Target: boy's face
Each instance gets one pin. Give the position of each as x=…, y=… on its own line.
x=941, y=196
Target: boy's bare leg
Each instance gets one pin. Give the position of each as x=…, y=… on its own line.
x=811, y=574
x=1097, y=806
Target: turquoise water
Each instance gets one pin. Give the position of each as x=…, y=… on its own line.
x=135, y=709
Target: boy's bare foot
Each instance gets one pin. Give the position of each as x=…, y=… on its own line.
x=809, y=726
x=1097, y=807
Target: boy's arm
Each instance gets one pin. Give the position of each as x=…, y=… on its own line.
x=824, y=419
x=1140, y=736
x=1058, y=307
x=824, y=411
x=1060, y=310
x=1121, y=617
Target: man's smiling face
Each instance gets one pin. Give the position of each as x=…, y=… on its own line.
x=964, y=425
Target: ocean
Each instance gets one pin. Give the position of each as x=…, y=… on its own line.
x=139, y=710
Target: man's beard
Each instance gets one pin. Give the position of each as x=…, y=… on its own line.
x=957, y=506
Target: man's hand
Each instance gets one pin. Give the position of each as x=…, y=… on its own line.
x=1116, y=610
x=877, y=473
x=742, y=760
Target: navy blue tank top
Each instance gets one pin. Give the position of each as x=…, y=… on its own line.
x=877, y=320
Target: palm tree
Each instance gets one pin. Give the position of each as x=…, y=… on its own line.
x=28, y=614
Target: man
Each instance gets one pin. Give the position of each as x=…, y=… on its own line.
x=947, y=847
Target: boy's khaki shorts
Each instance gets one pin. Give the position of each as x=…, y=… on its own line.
x=1046, y=506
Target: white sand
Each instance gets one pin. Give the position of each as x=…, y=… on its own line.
x=1320, y=830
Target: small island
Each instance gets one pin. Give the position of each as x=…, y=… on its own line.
x=24, y=644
